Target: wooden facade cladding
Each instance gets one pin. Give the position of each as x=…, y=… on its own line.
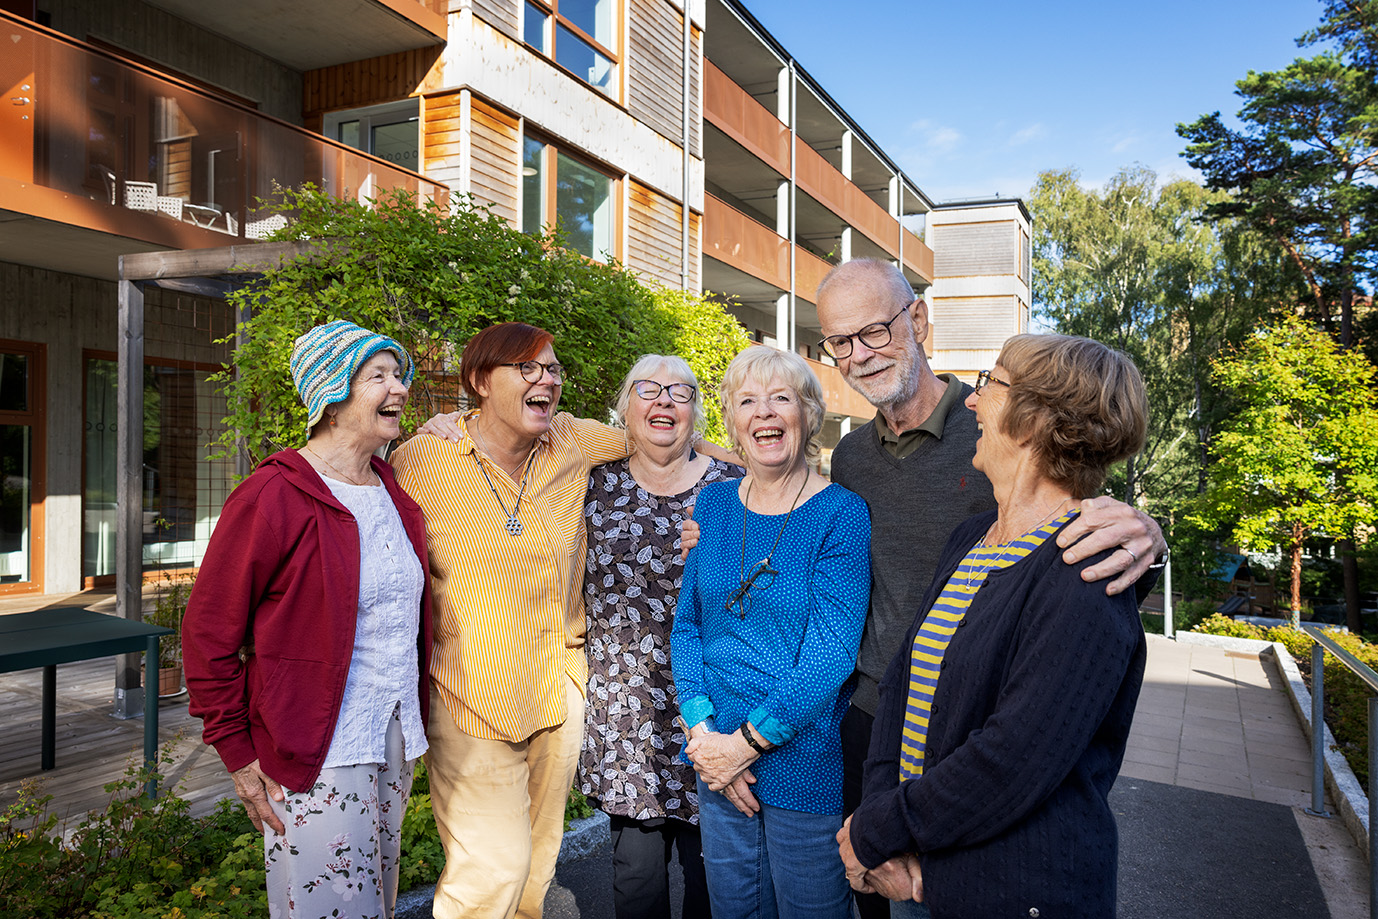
x=655, y=51
x=496, y=148
x=654, y=236
x=976, y=249
x=503, y=15
x=731, y=110
x=368, y=82
x=973, y=323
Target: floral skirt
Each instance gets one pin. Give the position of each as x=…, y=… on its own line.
x=339, y=854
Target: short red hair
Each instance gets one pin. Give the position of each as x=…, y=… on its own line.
x=504, y=343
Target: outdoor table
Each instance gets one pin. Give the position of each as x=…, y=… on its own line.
x=60, y=635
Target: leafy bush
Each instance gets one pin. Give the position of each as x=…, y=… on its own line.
x=141, y=859
x=431, y=278
x=1346, y=696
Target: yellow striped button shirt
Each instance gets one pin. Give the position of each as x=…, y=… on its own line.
x=509, y=611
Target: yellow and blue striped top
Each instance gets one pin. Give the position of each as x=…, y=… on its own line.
x=931, y=641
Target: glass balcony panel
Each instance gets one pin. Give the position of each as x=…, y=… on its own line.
x=98, y=129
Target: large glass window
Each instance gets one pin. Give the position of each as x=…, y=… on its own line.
x=584, y=199
x=21, y=466
x=182, y=488
x=390, y=132
x=580, y=35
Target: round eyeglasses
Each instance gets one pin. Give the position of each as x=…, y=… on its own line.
x=876, y=335
x=532, y=371
x=650, y=389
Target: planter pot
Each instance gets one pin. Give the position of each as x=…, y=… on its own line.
x=170, y=681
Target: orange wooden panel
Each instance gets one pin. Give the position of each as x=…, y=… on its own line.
x=837, y=394
x=809, y=271
x=729, y=108
x=918, y=257
x=734, y=238
x=823, y=182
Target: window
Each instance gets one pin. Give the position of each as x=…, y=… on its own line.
x=21, y=467
x=182, y=488
x=584, y=202
x=579, y=35
x=390, y=132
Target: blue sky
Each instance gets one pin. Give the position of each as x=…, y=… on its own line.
x=974, y=99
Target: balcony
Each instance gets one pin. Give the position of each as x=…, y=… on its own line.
x=756, y=130
x=310, y=34
x=735, y=239
x=100, y=157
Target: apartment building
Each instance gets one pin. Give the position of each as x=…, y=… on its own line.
x=676, y=136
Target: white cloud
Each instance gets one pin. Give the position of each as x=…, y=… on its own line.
x=1128, y=142
x=936, y=139
x=1028, y=134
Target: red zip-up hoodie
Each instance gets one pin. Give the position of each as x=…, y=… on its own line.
x=269, y=629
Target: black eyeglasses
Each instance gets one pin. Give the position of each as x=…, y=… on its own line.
x=875, y=335
x=532, y=371
x=741, y=598
x=983, y=378
x=650, y=389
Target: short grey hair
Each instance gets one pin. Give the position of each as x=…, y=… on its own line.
x=645, y=366
x=761, y=364
x=876, y=271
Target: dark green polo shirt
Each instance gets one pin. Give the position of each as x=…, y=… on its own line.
x=901, y=445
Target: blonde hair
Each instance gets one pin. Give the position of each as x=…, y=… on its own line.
x=1080, y=403
x=648, y=364
x=762, y=364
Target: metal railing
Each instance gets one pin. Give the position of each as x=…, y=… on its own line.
x=1323, y=643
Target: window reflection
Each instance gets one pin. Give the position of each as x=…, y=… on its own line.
x=579, y=57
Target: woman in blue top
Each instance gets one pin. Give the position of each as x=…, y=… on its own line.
x=765, y=641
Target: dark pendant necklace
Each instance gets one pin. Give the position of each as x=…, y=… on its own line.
x=514, y=526
x=762, y=567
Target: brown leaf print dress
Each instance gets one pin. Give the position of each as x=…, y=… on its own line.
x=630, y=762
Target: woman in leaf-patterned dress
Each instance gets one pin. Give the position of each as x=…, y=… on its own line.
x=630, y=764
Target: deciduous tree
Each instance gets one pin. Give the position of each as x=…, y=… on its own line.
x=1299, y=457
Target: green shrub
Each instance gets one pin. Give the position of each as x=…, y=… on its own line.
x=141, y=859
x=1346, y=696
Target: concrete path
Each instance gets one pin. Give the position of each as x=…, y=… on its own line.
x=1209, y=803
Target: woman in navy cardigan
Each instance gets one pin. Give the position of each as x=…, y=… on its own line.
x=1003, y=718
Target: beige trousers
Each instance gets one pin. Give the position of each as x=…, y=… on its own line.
x=500, y=809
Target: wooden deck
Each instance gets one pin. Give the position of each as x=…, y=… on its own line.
x=94, y=747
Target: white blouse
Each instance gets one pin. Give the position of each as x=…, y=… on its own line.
x=383, y=673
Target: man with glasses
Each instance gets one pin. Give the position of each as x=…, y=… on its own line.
x=912, y=464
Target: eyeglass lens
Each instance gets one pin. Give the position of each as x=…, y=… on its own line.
x=679, y=392
x=876, y=335
x=532, y=371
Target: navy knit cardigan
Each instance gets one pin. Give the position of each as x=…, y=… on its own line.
x=1030, y=720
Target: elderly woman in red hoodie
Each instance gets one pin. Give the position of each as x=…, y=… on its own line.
x=307, y=639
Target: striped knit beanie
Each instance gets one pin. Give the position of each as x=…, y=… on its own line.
x=325, y=359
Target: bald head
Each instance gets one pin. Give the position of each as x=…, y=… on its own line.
x=877, y=277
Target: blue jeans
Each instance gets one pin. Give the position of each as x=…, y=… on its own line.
x=778, y=864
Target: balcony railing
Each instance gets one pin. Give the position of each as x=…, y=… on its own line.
x=735, y=239
x=89, y=139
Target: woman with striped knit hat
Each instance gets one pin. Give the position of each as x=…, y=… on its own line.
x=307, y=638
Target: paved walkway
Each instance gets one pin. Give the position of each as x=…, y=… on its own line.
x=1210, y=800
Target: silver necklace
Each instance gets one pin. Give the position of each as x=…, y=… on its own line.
x=514, y=526
x=1004, y=553
x=337, y=472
